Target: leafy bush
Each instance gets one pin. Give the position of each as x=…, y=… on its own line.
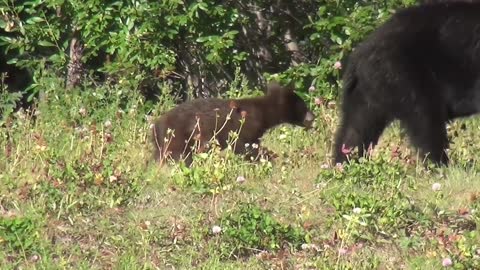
x=249, y=229
x=329, y=36
x=18, y=233
x=194, y=46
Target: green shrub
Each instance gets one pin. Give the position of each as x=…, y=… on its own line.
x=248, y=229
x=19, y=234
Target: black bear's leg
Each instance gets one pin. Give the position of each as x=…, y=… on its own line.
x=427, y=131
x=361, y=128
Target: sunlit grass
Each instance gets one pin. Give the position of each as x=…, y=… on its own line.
x=79, y=171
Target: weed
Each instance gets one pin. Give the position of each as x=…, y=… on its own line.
x=19, y=234
x=371, y=196
x=248, y=229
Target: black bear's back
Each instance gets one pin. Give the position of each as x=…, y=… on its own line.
x=432, y=41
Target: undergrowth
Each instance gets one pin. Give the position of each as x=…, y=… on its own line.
x=78, y=190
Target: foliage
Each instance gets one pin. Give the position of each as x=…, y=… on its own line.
x=250, y=229
x=196, y=45
x=331, y=33
x=95, y=182
x=18, y=233
x=8, y=102
x=88, y=174
x=215, y=171
x=77, y=165
x=76, y=190
x=361, y=205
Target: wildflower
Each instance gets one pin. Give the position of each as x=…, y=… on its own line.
x=319, y=101
x=107, y=124
x=144, y=225
x=447, y=262
x=395, y=151
x=346, y=150
x=311, y=89
x=108, y=137
x=35, y=258
x=240, y=179
x=320, y=185
x=254, y=145
x=133, y=109
x=263, y=255
x=324, y=166
x=247, y=145
x=357, y=210
x=149, y=118
x=309, y=246
x=119, y=114
x=82, y=111
x=337, y=65
x=332, y=104
x=216, y=229
x=81, y=129
x=21, y=114
x=244, y=114
x=113, y=178
x=339, y=166
x=436, y=186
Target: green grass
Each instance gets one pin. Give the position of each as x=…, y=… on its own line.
x=77, y=192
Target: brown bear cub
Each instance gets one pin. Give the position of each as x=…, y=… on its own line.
x=191, y=125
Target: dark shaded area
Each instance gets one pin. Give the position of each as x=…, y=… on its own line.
x=16, y=79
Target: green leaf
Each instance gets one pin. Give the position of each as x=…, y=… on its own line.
x=45, y=43
x=34, y=20
x=12, y=61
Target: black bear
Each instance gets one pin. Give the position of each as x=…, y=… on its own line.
x=193, y=124
x=445, y=1
x=421, y=67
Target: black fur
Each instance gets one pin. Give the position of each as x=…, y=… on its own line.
x=421, y=67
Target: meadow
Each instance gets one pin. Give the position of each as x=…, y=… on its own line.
x=78, y=190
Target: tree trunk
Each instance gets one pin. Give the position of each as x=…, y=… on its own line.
x=75, y=65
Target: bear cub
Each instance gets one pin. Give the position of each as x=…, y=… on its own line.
x=194, y=124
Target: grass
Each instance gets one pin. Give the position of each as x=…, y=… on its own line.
x=77, y=192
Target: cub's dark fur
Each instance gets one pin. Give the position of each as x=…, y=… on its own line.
x=195, y=122
x=422, y=67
